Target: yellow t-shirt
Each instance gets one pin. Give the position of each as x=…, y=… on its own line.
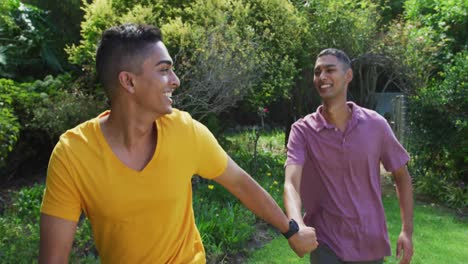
x=137, y=216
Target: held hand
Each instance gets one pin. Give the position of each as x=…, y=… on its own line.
x=404, y=248
x=303, y=241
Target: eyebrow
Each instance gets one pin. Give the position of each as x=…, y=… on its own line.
x=168, y=62
x=325, y=66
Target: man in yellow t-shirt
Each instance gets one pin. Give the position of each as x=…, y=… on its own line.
x=129, y=169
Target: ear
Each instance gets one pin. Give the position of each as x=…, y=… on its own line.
x=126, y=81
x=349, y=75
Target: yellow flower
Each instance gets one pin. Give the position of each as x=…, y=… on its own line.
x=275, y=183
x=268, y=173
x=210, y=186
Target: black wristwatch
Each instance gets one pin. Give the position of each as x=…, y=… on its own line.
x=293, y=229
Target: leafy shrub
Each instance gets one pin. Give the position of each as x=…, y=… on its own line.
x=64, y=111
x=19, y=240
x=43, y=110
x=438, y=126
x=19, y=227
x=19, y=230
x=26, y=42
x=27, y=202
x=9, y=125
x=449, y=18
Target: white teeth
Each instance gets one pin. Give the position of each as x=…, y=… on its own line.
x=168, y=94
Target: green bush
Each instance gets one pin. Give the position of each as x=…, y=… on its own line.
x=19, y=230
x=449, y=18
x=27, y=202
x=19, y=240
x=248, y=49
x=438, y=125
x=64, y=111
x=27, y=47
x=35, y=115
x=9, y=125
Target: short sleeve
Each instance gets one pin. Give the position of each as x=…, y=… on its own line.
x=61, y=198
x=212, y=159
x=393, y=155
x=296, y=147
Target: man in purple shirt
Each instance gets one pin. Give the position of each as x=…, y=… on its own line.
x=333, y=172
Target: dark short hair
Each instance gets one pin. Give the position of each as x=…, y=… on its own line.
x=339, y=54
x=123, y=48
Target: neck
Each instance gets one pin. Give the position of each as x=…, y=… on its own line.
x=336, y=113
x=125, y=128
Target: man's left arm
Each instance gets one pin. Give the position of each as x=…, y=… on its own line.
x=404, y=192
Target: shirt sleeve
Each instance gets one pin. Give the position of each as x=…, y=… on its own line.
x=212, y=159
x=61, y=197
x=393, y=155
x=296, y=147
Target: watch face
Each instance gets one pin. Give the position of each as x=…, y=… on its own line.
x=293, y=229
x=293, y=225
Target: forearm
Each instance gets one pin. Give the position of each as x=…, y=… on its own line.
x=404, y=191
x=293, y=203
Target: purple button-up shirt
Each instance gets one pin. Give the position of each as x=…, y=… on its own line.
x=340, y=187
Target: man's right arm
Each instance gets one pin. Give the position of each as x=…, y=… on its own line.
x=56, y=239
x=291, y=196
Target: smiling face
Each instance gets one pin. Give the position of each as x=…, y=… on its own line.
x=331, y=77
x=154, y=83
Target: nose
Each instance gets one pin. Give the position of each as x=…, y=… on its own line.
x=323, y=75
x=174, y=81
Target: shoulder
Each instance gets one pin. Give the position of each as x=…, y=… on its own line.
x=178, y=118
x=181, y=124
x=305, y=122
x=369, y=115
x=79, y=140
x=82, y=133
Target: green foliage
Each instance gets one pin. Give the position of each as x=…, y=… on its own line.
x=26, y=42
x=19, y=230
x=448, y=17
x=439, y=125
x=344, y=24
x=224, y=226
x=98, y=16
x=18, y=240
x=390, y=10
x=65, y=15
x=258, y=39
x=27, y=202
x=281, y=33
x=83, y=250
x=35, y=114
x=19, y=227
x=9, y=125
x=64, y=111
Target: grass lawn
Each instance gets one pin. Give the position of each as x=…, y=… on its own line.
x=439, y=237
